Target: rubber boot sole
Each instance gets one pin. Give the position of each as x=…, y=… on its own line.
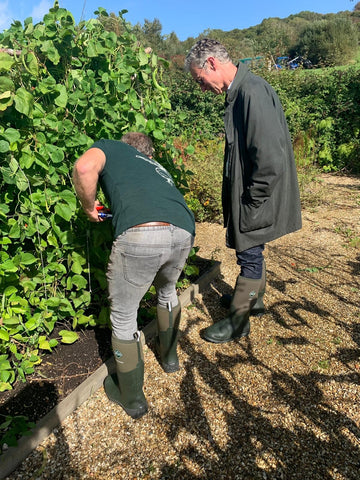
x=236, y=337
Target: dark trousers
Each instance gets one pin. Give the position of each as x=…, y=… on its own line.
x=251, y=262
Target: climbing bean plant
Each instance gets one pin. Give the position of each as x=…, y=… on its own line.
x=63, y=86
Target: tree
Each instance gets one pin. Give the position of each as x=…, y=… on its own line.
x=112, y=23
x=273, y=37
x=329, y=42
x=171, y=45
x=149, y=34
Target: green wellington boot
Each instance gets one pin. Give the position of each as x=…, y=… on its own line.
x=258, y=309
x=168, y=321
x=237, y=323
x=125, y=387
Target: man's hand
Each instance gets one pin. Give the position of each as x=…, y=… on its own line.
x=93, y=215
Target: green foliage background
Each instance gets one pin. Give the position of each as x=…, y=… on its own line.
x=62, y=87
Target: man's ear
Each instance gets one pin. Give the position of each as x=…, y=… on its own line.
x=212, y=62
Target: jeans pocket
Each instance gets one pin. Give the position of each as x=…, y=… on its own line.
x=140, y=270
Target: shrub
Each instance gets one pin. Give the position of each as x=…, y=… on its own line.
x=205, y=183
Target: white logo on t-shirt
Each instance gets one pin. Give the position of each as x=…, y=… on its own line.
x=160, y=170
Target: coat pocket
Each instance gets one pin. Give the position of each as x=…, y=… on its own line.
x=256, y=217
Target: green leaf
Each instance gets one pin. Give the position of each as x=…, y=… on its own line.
x=189, y=150
x=91, y=50
x=6, y=61
x=6, y=85
x=191, y=270
x=63, y=211
x=4, y=335
x=47, y=85
x=27, y=259
x=62, y=99
x=134, y=100
x=53, y=301
x=55, y=153
x=84, y=319
x=51, y=240
x=26, y=159
x=11, y=135
x=31, y=63
x=24, y=102
x=10, y=290
x=53, y=343
x=5, y=365
x=49, y=49
x=70, y=198
x=8, y=266
x=4, y=146
x=27, y=366
x=5, y=375
x=6, y=99
x=143, y=58
x=140, y=121
x=76, y=268
x=44, y=344
x=13, y=164
x=158, y=134
x=28, y=285
x=31, y=324
x=14, y=231
x=68, y=336
x=79, y=281
x=21, y=181
x=5, y=386
x=11, y=321
x=55, y=267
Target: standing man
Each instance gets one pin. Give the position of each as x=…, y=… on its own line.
x=260, y=192
x=154, y=232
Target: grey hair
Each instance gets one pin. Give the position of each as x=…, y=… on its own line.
x=140, y=141
x=204, y=49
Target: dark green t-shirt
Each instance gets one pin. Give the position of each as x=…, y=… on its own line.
x=140, y=190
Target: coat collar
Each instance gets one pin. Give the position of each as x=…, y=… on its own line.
x=242, y=72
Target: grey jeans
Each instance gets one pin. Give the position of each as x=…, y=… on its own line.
x=140, y=257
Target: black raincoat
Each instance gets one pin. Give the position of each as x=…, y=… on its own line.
x=260, y=194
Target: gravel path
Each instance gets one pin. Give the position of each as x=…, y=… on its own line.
x=280, y=404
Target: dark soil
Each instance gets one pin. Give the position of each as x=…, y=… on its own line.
x=64, y=369
x=60, y=372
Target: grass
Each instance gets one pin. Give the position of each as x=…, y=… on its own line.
x=352, y=240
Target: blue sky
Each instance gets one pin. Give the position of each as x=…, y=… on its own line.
x=188, y=19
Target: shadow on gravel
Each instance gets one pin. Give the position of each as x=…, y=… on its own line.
x=251, y=438
x=310, y=439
